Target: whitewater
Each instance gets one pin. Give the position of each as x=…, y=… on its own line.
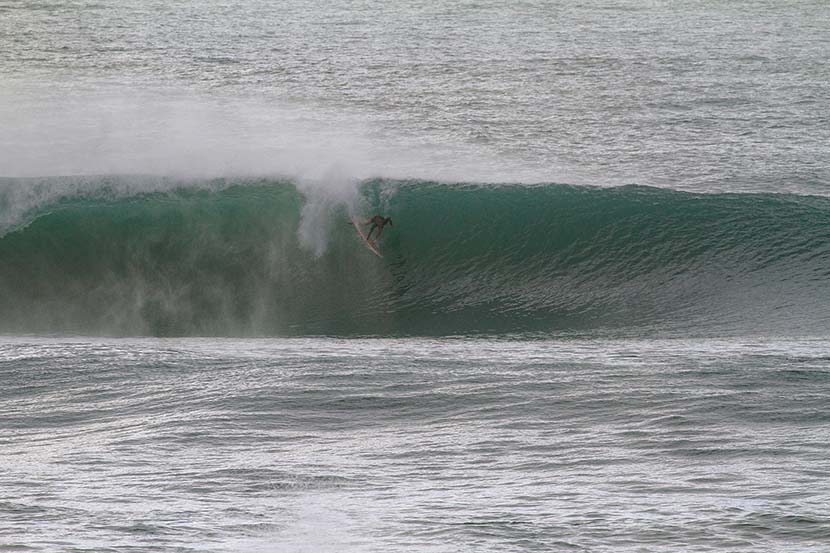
x=600, y=322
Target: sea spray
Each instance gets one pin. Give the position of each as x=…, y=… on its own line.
x=276, y=257
x=326, y=195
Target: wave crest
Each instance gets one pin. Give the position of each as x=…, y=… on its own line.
x=277, y=258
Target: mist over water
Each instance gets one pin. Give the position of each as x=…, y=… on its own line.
x=645, y=93
x=599, y=324
x=117, y=131
x=266, y=257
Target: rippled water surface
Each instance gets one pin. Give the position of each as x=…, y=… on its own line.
x=188, y=168
x=414, y=445
x=698, y=95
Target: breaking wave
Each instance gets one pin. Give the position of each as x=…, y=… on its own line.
x=271, y=257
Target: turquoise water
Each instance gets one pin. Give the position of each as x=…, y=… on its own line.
x=462, y=259
x=600, y=322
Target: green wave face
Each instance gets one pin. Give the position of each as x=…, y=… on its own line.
x=460, y=259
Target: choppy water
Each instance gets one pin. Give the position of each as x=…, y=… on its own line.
x=600, y=322
x=414, y=445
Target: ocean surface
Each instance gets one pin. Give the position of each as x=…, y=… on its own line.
x=600, y=323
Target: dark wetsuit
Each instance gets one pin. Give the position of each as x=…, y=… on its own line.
x=377, y=223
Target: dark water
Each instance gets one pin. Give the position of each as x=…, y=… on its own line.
x=462, y=259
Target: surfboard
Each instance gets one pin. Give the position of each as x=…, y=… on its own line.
x=369, y=243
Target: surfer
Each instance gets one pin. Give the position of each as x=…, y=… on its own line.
x=377, y=223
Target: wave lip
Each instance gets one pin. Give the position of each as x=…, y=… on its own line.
x=234, y=259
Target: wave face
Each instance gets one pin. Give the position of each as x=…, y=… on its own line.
x=260, y=259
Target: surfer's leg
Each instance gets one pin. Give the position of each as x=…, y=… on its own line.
x=371, y=230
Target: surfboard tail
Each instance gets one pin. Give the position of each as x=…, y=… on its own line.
x=369, y=244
